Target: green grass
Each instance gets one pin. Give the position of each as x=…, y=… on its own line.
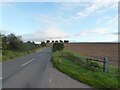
x=8, y=55
x=94, y=78
x=0, y=55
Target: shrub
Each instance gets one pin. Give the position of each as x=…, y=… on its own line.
x=58, y=46
x=11, y=57
x=43, y=44
x=28, y=52
x=48, y=41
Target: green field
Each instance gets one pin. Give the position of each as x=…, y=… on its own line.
x=73, y=65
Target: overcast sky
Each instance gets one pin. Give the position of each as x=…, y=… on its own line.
x=76, y=21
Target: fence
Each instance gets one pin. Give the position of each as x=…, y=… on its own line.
x=104, y=61
x=86, y=62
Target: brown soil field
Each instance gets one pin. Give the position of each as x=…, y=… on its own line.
x=96, y=50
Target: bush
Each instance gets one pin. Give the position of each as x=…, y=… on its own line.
x=58, y=47
x=43, y=44
x=28, y=52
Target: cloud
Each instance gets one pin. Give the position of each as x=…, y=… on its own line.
x=69, y=5
x=98, y=35
x=49, y=28
x=45, y=20
x=94, y=31
x=97, y=6
x=51, y=24
x=49, y=33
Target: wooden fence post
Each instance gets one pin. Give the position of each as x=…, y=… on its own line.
x=87, y=60
x=105, y=65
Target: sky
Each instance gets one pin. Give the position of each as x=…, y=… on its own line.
x=76, y=21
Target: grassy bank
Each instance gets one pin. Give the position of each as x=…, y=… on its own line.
x=8, y=55
x=73, y=65
x=0, y=55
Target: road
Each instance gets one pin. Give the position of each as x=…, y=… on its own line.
x=36, y=71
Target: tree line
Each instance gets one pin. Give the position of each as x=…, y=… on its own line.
x=56, y=45
x=13, y=42
x=43, y=43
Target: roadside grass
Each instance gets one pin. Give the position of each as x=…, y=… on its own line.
x=8, y=55
x=78, y=71
x=0, y=55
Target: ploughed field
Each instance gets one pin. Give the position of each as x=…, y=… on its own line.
x=96, y=50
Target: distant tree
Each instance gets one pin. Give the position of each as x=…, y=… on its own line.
x=66, y=41
x=61, y=41
x=56, y=41
x=0, y=41
x=52, y=41
x=43, y=44
x=4, y=42
x=30, y=46
x=14, y=42
x=48, y=41
x=29, y=42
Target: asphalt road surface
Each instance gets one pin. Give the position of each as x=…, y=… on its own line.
x=36, y=71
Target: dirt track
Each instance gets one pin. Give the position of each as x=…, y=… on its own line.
x=96, y=50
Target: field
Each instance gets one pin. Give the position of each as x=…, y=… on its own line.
x=96, y=50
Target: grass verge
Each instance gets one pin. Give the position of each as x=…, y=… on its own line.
x=0, y=55
x=94, y=78
x=8, y=55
